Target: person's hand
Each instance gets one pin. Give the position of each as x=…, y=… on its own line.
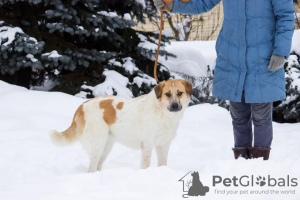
x=161, y=3
x=276, y=62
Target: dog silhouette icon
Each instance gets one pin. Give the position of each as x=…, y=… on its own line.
x=193, y=187
x=197, y=187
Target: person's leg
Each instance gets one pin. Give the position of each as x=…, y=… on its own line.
x=242, y=127
x=263, y=130
x=242, y=123
x=262, y=121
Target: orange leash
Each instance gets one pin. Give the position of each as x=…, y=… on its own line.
x=158, y=45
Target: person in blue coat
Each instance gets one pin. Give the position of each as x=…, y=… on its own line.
x=252, y=46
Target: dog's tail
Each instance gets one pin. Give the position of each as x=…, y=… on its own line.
x=62, y=138
x=71, y=134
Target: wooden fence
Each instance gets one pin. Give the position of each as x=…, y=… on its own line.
x=202, y=27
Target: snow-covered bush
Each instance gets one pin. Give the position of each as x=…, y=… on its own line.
x=202, y=86
x=288, y=110
x=132, y=83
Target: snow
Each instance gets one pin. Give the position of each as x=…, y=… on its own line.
x=8, y=33
x=33, y=39
x=144, y=78
x=52, y=54
x=296, y=42
x=167, y=32
x=108, y=14
x=31, y=57
x=293, y=72
x=192, y=58
x=202, y=53
x=32, y=168
x=114, y=81
x=127, y=16
x=129, y=65
x=146, y=44
x=142, y=2
x=114, y=62
x=296, y=83
x=80, y=27
x=183, y=27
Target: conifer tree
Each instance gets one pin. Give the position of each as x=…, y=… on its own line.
x=72, y=42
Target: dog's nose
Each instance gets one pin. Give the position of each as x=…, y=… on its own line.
x=174, y=106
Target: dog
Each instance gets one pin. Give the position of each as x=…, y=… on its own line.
x=146, y=122
x=197, y=187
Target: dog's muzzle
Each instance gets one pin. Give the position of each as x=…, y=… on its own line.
x=174, y=107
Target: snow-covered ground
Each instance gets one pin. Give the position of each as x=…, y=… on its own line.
x=32, y=168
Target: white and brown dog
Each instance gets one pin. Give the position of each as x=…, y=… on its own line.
x=143, y=123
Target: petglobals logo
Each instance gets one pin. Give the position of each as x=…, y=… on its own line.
x=254, y=185
x=238, y=186
x=246, y=181
x=192, y=185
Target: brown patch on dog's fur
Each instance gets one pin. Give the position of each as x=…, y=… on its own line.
x=158, y=89
x=120, y=105
x=188, y=87
x=109, y=114
x=79, y=117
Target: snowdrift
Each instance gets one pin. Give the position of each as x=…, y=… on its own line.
x=31, y=167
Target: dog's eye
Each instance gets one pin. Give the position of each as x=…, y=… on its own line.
x=179, y=94
x=168, y=94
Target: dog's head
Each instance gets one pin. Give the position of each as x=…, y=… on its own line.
x=173, y=94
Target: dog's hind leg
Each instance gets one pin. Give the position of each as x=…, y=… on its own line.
x=162, y=154
x=96, y=152
x=93, y=141
x=95, y=156
x=108, y=146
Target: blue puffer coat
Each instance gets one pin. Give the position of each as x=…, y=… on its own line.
x=252, y=31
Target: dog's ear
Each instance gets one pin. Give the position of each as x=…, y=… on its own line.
x=188, y=86
x=158, y=89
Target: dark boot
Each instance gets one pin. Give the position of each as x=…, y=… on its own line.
x=240, y=152
x=257, y=152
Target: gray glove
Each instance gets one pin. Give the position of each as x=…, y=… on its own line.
x=276, y=62
x=159, y=4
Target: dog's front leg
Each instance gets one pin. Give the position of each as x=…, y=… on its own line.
x=146, y=155
x=162, y=154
